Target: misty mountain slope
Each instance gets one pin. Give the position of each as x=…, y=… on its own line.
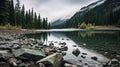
x=58, y=23
x=102, y=12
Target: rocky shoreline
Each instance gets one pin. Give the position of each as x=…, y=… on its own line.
x=19, y=51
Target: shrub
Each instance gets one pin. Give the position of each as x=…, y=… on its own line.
x=9, y=26
x=82, y=25
x=90, y=26
x=86, y=26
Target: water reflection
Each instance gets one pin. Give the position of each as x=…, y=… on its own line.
x=90, y=43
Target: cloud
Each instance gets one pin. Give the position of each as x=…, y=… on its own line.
x=55, y=9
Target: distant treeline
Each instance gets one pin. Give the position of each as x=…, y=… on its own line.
x=18, y=16
x=107, y=13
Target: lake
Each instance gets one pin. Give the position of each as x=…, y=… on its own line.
x=104, y=45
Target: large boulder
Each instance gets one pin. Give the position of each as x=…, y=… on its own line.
x=54, y=60
x=29, y=54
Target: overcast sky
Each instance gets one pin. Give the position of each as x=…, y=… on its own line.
x=55, y=9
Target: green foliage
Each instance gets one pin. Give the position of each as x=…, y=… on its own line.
x=86, y=26
x=9, y=26
x=104, y=14
x=4, y=11
x=90, y=26
x=11, y=17
x=82, y=26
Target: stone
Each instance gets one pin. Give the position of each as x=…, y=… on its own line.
x=64, y=53
x=40, y=43
x=74, y=45
x=54, y=60
x=5, y=47
x=76, y=52
x=94, y=58
x=62, y=38
x=64, y=48
x=63, y=43
x=114, y=63
x=84, y=44
x=69, y=65
x=4, y=65
x=29, y=54
x=16, y=46
x=84, y=53
x=56, y=42
x=68, y=39
x=5, y=54
x=83, y=56
x=51, y=45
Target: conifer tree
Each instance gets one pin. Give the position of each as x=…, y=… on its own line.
x=18, y=13
x=23, y=16
x=4, y=11
x=11, y=19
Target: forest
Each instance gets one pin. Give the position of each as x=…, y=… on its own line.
x=107, y=13
x=16, y=15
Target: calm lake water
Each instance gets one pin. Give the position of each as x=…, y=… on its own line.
x=104, y=45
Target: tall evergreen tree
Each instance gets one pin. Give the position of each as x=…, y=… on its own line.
x=39, y=22
x=11, y=19
x=23, y=16
x=26, y=19
x=4, y=11
x=35, y=19
x=18, y=13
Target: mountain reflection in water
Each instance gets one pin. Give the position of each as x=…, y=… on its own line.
x=101, y=44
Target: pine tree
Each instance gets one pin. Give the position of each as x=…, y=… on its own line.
x=11, y=19
x=39, y=22
x=35, y=20
x=18, y=13
x=4, y=11
x=23, y=16
x=26, y=19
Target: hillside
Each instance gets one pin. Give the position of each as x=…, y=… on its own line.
x=102, y=12
x=58, y=23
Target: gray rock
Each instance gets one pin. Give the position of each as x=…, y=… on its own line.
x=5, y=54
x=76, y=52
x=29, y=54
x=63, y=43
x=54, y=60
x=94, y=58
x=84, y=53
x=114, y=63
x=69, y=65
x=64, y=48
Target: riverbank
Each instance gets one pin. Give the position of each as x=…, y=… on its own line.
x=12, y=40
x=107, y=28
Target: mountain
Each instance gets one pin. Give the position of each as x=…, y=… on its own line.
x=102, y=12
x=58, y=23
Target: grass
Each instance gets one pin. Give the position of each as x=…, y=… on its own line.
x=111, y=27
x=8, y=26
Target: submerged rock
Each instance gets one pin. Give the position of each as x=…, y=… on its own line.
x=94, y=58
x=76, y=52
x=84, y=53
